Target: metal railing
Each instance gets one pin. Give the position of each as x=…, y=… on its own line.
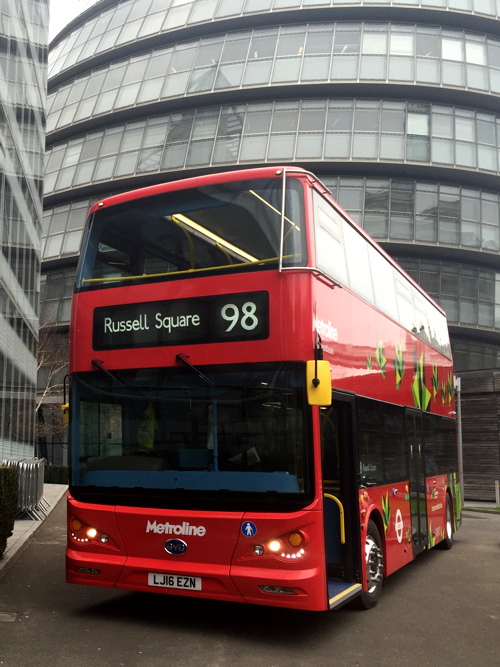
x=31, y=503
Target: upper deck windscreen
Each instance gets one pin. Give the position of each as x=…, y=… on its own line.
x=213, y=228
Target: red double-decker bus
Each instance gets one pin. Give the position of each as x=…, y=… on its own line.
x=261, y=400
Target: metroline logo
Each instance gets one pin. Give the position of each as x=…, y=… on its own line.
x=175, y=529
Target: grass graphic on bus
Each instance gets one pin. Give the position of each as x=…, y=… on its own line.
x=435, y=382
x=399, y=366
x=422, y=396
x=386, y=511
x=380, y=357
x=451, y=388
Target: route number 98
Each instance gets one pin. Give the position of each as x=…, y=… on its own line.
x=246, y=318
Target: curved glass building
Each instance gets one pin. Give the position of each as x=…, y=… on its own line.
x=395, y=105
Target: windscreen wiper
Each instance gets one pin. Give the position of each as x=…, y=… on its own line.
x=182, y=359
x=98, y=364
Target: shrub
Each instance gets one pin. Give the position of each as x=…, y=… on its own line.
x=9, y=486
x=56, y=474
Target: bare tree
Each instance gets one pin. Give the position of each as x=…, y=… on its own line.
x=52, y=368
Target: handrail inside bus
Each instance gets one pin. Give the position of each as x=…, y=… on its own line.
x=181, y=219
x=293, y=225
x=341, y=512
x=185, y=271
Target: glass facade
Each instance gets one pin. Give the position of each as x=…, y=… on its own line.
x=469, y=295
x=472, y=356
x=421, y=212
x=389, y=209
x=62, y=228
x=23, y=67
x=136, y=20
x=56, y=289
x=393, y=104
x=294, y=130
x=300, y=54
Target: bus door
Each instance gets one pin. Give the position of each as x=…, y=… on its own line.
x=341, y=511
x=418, y=503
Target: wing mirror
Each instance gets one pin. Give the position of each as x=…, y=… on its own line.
x=318, y=382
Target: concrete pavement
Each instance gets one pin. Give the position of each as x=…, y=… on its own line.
x=443, y=608
x=24, y=529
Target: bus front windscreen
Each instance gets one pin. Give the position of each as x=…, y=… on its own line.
x=181, y=434
x=230, y=226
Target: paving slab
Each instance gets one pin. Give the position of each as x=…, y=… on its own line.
x=24, y=529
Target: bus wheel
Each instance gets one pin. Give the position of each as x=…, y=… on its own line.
x=374, y=557
x=447, y=543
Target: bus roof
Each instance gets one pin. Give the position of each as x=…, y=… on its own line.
x=195, y=182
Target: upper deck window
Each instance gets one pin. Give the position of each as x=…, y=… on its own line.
x=343, y=253
x=234, y=226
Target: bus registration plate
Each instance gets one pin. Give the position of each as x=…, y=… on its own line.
x=174, y=581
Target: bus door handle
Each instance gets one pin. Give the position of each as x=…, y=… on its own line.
x=341, y=513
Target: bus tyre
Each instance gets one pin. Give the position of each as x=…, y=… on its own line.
x=374, y=559
x=447, y=543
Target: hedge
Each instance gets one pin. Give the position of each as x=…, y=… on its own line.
x=56, y=474
x=9, y=487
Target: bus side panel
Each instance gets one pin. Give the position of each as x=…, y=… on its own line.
x=389, y=507
x=300, y=569
x=435, y=492
x=372, y=356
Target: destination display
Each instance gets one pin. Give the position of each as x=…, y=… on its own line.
x=211, y=319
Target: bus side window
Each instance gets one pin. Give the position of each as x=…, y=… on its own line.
x=440, y=445
x=395, y=449
x=330, y=255
x=370, y=443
